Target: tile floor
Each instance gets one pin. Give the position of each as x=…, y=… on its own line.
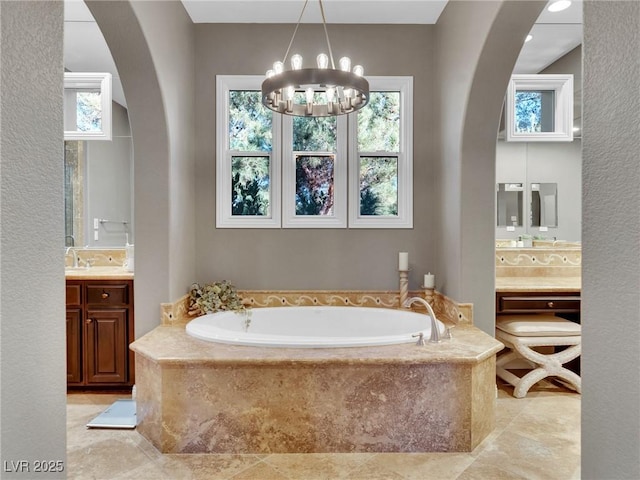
x=537, y=437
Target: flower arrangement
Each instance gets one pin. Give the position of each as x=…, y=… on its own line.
x=214, y=297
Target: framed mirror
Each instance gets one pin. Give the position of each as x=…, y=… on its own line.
x=510, y=200
x=544, y=205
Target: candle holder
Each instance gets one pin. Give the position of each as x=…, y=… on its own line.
x=404, y=286
x=429, y=294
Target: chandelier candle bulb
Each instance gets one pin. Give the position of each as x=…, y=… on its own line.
x=403, y=261
x=429, y=280
x=296, y=62
x=322, y=60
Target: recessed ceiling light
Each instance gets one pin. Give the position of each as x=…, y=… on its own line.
x=559, y=5
x=529, y=37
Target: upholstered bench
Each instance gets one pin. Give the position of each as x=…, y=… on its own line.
x=522, y=333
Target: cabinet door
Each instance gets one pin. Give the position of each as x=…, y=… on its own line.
x=106, y=345
x=74, y=345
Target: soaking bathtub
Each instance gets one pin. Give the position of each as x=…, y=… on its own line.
x=312, y=327
x=383, y=393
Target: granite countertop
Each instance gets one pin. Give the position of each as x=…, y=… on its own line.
x=98, y=273
x=538, y=284
x=172, y=345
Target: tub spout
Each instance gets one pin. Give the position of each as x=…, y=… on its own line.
x=435, y=333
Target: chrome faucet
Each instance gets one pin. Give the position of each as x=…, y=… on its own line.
x=435, y=333
x=75, y=255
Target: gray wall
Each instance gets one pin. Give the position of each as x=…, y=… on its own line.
x=32, y=311
x=108, y=184
x=477, y=46
x=314, y=258
x=544, y=162
x=152, y=46
x=611, y=246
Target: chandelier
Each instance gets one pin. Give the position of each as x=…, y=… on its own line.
x=327, y=91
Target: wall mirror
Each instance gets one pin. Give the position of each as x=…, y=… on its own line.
x=544, y=204
x=98, y=190
x=510, y=202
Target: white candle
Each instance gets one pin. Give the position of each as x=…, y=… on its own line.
x=429, y=280
x=403, y=261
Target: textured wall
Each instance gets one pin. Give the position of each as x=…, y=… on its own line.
x=151, y=44
x=32, y=341
x=314, y=258
x=611, y=201
x=477, y=49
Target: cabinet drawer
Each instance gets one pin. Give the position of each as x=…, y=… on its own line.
x=107, y=294
x=515, y=304
x=73, y=294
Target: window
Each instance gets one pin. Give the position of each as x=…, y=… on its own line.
x=248, y=165
x=287, y=171
x=87, y=106
x=314, y=172
x=539, y=108
x=381, y=160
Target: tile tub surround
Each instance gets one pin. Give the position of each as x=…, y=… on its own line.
x=99, y=257
x=201, y=397
x=445, y=308
x=550, y=269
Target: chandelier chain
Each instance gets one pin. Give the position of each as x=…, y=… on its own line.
x=326, y=35
x=286, y=54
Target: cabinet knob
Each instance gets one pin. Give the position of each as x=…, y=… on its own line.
x=89, y=320
x=550, y=304
x=105, y=295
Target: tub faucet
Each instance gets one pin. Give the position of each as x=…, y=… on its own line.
x=75, y=255
x=435, y=333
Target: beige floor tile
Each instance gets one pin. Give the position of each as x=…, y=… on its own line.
x=205, y=467
x=537, y=437
x=420, y=466
x=261, y=471
x=317, y=466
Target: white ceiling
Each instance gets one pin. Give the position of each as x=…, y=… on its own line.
x=554, y=34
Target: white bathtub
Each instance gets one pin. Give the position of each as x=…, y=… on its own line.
x=312, y=327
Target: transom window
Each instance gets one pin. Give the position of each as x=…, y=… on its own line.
x=306, y=172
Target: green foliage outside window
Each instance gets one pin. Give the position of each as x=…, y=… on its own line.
x=315, y=134
x=314, y=185
x=249, y=122
x=379, y=123
x=89, y=111
x=378, y=186
x=250, y=186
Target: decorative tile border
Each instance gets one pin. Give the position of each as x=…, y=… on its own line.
x=446, y=309
x=535, y=257
x=113, y=257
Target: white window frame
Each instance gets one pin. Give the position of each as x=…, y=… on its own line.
x=90, y=81
x=339, y=217
x=224, y=217
x=404, y=219
x=562, y=85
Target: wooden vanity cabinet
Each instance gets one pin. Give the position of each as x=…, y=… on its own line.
x=538, y=302
x=100, y=328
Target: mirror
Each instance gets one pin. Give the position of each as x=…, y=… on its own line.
x=98, y=191
x=510, y=202
x=544, y=204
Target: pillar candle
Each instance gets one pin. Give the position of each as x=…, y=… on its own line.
x=429, y=280
x=403, y=261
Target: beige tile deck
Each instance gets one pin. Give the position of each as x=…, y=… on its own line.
x=537, y=437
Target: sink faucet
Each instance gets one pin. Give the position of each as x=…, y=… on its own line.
x=435, y=333
x=75, y=255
